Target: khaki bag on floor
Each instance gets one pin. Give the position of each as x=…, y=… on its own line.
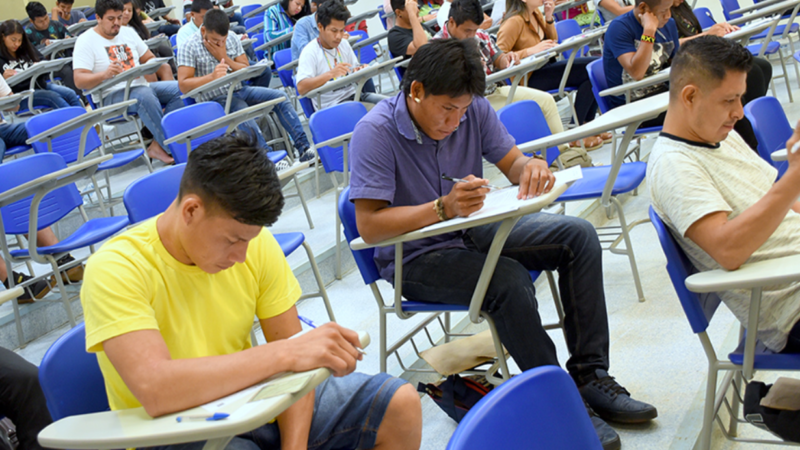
x=573, y=156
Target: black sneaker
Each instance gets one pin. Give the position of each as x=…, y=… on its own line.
x=73, y=274
x=308, y=155
x=609, y=438
x=612, y=401
x=36, y=290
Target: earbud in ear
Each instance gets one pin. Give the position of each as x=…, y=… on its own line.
x=417, y=100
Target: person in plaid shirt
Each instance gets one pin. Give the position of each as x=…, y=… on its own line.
x=464, y=22
x=211, y=54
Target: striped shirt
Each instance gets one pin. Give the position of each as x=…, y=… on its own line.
x=194, y=54
x=277, y=24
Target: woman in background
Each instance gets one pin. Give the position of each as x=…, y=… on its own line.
x=280, y=19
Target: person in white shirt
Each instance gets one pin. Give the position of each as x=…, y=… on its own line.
x=330, y=57
x=194, y=22
x=718, y=198
x=444, y=14
x=109, y=49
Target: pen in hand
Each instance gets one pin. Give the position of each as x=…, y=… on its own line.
x=461, y=180
x=310, y=323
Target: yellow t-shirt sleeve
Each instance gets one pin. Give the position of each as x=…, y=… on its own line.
x=115, y=299
x=277, y=285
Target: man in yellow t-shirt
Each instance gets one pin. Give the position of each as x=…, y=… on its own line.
x=169, y=307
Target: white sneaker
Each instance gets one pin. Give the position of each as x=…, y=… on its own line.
x=282, y=165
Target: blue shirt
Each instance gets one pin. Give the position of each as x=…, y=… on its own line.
x=624, y=36
x=393, y=161
x=305, y=31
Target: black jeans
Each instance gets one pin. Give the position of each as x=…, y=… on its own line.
x=538, y=242
x=549, y=77
x=21, y=398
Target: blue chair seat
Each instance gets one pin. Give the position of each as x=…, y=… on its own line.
x=778, y=31
x=646, y=130
x=17, y=150
x=90, y=233
x=594, y=179
x=772, y=48
x=120, y=159
x=766, y=359
x=289, y=242
x=276, y=155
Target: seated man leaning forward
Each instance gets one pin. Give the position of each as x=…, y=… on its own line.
x=330, y=57
x=109, y=49
x=211, y=54
x=169, y=307
x=441, y=124
x=719, y=199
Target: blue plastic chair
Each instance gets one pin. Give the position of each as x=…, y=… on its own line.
x=705, y=17
x=250, y=23
x=365, y=54
x=68, y=145
x=70, y=377
x=247, y=8
x=699, y=310
x=152, y=194
x=566, y=29
x=258, y=43
x=370, y=274
x=505, y=418
x=525, y=121
x=727, y=7
x=173, y=40
x=281, y=58
x=13, y=151
x=55, y=205
x=771, y=127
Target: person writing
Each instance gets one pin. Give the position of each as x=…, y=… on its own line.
x=440, y=124
x=169, y=307
x=64, y=14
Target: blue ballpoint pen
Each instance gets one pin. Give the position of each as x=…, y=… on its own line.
x=310, y=323
x=206, y=417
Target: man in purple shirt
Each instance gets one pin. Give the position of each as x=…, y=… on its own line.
x=441, y=124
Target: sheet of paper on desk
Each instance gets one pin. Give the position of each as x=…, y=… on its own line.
x=287, y=385
x=221, y=403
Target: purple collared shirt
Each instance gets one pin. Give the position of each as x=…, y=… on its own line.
x=393, y=161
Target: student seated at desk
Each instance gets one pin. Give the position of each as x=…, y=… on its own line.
x=132, y=20
x=407, y=34
x=211, y=54
x=462, y=25
x=724, y=206
x=18, y=55
x=42, y=30
x=611, y=9
x=109, y=49
x=330, y=57
x=169, y=307
x=641, y=43
x=441, y=124
x=22, y=400
x=280, y=19
x=527, y=32
x=144, y=7
x=64, y=14
x=305, y=30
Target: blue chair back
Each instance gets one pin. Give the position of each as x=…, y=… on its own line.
x=699, y=309
x=153, y=193
x=68, y=144
x=281, y=58
x=71, y=379
x=771, y=127
x=367, y=53
x=54, y=206
x=250, y=23
x=705, y=17
x=537, y=409
x=332, y=122
x=400, y=71
x=525, y=121
x=597, y=76
x=566, y=29
x=247, y=8
x=382, y=16
x=173, y=40
x=364, y=258
x=258, y=43
x=189, y=117
x=727, y=7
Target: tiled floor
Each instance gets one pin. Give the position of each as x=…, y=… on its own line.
x=653, y=351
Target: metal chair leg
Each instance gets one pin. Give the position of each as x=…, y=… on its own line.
x=629, y=248
x=63, y=290
x=303, y=202
x=785, y=76
x=317, y=276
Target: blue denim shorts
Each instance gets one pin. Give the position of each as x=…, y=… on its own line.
x=347, y=414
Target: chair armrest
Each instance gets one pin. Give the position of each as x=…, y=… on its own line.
x=12, y=101
x=260, y=10
x=370, y=40
x=89, y=119
x=37, y=70
x=353, y=78
x=233, y=77
x=156, y=41
x=10, y=294
x=657, y=78
x=231, y=10
x=774, y=9
x=160, y=12
x=129, y=75
x=754, y=275
x=335, y=142
x=80, y=27
x=291, y=171
x=256, y=27
x=153, y=26
x=290, y=66
x=276, y=41
x=230, y=120
x=363, y=16
x=60, y=45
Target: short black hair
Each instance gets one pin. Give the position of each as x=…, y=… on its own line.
x=234, y=174
x=466, y=10
x=330, y=10
x=463, y=74
x=398, y=4
x=707, y=59
x=652, y=3
x=217, y=22
x=66, y=2
x=318, y=2
x=200, y=5
x=35, y=9
x=103, y=6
